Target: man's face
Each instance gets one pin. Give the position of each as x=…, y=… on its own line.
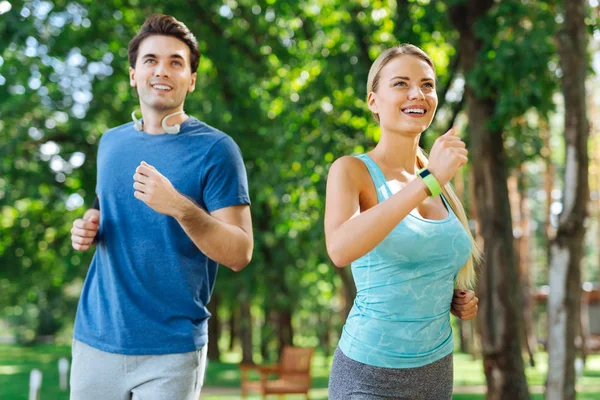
x=162, y=74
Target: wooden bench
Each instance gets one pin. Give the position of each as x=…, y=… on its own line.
x=293, y=374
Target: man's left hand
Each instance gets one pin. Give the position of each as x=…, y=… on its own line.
x=464, y=304
x=154, y=189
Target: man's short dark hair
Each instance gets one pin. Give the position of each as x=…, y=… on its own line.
x=165, y=25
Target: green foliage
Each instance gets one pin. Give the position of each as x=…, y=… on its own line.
x=287, y=80
x=517, y=67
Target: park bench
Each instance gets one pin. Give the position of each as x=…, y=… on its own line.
x=292, y=371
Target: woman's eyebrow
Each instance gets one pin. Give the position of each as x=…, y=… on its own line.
x=406, y=78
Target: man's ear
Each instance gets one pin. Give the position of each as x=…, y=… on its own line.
x=372, y=102
x=131, y=77
x=192, y=86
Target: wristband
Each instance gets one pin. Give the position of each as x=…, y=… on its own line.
x=432, y=184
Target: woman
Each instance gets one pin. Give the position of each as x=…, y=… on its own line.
x=409, y=246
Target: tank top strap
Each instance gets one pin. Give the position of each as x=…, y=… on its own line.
x=376, y=175
x=450, y=211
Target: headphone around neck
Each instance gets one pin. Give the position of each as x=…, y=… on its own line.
x=173, y=129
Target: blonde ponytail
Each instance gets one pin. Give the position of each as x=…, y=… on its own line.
x=467, y=276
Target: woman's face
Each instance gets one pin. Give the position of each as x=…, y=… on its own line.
x=405, y=100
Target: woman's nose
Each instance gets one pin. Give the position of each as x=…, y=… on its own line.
x=415, y=93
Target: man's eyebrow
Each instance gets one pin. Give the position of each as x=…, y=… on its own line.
x=150, y=55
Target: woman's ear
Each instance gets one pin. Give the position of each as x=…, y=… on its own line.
x=372, y=102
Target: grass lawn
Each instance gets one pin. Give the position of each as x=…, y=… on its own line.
x=16, y=362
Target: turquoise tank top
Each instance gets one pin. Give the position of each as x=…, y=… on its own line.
x=401, y=314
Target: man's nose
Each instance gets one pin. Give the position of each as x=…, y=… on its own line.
x=160, y=70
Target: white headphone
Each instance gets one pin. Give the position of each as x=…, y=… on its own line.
x=173, y=129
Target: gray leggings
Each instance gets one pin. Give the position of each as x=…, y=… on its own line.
x=352, y=380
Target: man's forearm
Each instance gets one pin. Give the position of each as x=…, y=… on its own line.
x=227, y=244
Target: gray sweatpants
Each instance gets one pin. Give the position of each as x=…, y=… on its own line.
x=98, y=375
x=352, y=380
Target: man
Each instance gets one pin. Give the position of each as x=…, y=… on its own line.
x=172, y=204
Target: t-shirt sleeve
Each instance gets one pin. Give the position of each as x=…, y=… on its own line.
x=225, y=179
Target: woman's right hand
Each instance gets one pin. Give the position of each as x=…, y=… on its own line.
x=447, y=155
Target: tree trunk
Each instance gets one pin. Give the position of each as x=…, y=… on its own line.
x=283, y=314
x=285, y=333
x=584, y=326
x=526, y=268
x=597, y=184
x=594, y=115
x=232, y=328
x=567, y=248
x=549, y=231
x=266, y=330
x=500, y=297
x=214, y=328
x=464, y=327
x=464, y=330
x=473, y=334
x=520, y=219
x=246, y=330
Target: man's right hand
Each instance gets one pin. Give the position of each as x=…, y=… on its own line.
x=85, y=229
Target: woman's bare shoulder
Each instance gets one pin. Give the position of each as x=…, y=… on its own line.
x=349, y=165
x=351, y=173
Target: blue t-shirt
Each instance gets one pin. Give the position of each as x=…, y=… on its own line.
x=148, y=284
x=401, y=314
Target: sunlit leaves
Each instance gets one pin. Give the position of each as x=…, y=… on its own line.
x=287, y=80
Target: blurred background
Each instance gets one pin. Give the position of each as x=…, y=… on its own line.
x=286, y=79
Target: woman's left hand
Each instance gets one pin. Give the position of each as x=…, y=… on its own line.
x=464, y=304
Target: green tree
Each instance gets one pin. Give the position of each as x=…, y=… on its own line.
x=501, y=49
x=567, y=249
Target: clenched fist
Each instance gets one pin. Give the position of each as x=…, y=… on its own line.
x=464, y=304
x=85, y=229
x=447, y=155
x=154, y=189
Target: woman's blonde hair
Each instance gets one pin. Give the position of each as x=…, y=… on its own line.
x=467, y=276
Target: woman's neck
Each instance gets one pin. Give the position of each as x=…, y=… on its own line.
x=397, y=152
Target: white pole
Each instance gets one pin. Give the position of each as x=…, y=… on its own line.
x=578, y=368
x=35, y=383
x=63, y=370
